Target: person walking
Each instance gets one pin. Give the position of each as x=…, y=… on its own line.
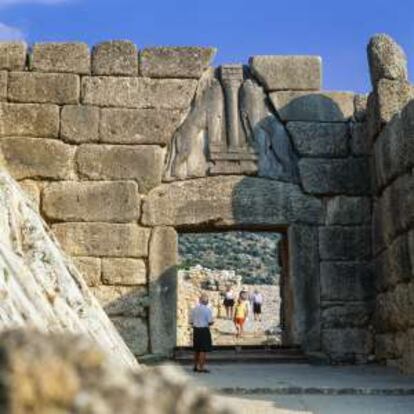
x=257, y=299
x=241, y=313
x=201, y=320
x=229, y=302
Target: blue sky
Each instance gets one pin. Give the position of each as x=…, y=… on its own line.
x=336, y=30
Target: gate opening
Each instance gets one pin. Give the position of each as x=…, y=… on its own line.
x=225, y=265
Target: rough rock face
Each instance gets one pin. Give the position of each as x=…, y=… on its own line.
x=71, y=376
x=39, y=285
x=386, y=59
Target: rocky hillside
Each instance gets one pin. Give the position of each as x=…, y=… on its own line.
x=253, y=255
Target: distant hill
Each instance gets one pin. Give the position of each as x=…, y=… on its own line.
x=253, y=255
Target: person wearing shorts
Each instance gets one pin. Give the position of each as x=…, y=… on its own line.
x=241, y=312
x=257, y=299
x=229, y=302
x=201, y=320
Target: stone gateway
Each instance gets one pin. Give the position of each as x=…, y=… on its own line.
x=120, y=149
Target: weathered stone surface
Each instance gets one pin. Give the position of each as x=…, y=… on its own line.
x=313, y=139
x=407, y=362
x=41, y=288
x=117, y=162
x=315, y=107
x=134, y=332
x=116, y=57
x=394, y=309
x=395, y=211
x=29, y=120
x=385, y=346
x=219, y=201
x=345, y=243
x=91, y=201
x=411, y=248
x=13, y=55
x=38, y=158
x=79, y=124
x=398, y=259
x=386, y=59
x=71, y=374
x=361, y=144
x=175, y=62
x=348, y=210
x=139, y=126
x=3, y=86
x=277, y=73
x=346, y=315
x=336, y=176
x=103, y=239
x=61, y=57
x=138, y=92
x=301, y=290
x=162, y=289
x=129, y=301
x=391, y=98
x=124, y=272
x=344, y=344
x=32, y=190
x=346, y=281
x=90, y=268
x=58, y=88
x=360, y=103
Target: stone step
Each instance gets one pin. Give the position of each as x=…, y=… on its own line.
x=244, y=354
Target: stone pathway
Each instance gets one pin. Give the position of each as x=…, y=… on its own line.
x=304, y=388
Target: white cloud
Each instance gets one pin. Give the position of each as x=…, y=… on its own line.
x=10, y=32
x=8, y=3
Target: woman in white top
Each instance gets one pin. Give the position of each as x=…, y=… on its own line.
x=229, y=302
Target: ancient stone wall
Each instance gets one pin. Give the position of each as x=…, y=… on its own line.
x=391, y=128
x=121, y=149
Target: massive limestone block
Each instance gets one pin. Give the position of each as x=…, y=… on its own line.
x=277, y=73
x=407, y=361
x=347, y=345
x=3, y=86
x=345, y=243
x=386, y=59
x=58, y=88
x=30, y=120
x=103, y=239
x=162, y=289
x=71, y=376
x=126, y=301
x=143, y=164
x=348, y=210
x=313, y=106
x=346, y=315
x=40, y=287
x=90, y=269
x=391, y=98
x=335, y=176
x=312, y=139
x=138, y=92
x=361, y=144
x=230, y=200
x=134, y=332
x=138, y=126
x=39, y=158
x=32, y=189
x=346, y=281
x=301, y=289
x=79, y=124
x=13, y=55
x=91, y=201
x=116, y=57
x=175, y=62
x=124, y=271
x=61, y=57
